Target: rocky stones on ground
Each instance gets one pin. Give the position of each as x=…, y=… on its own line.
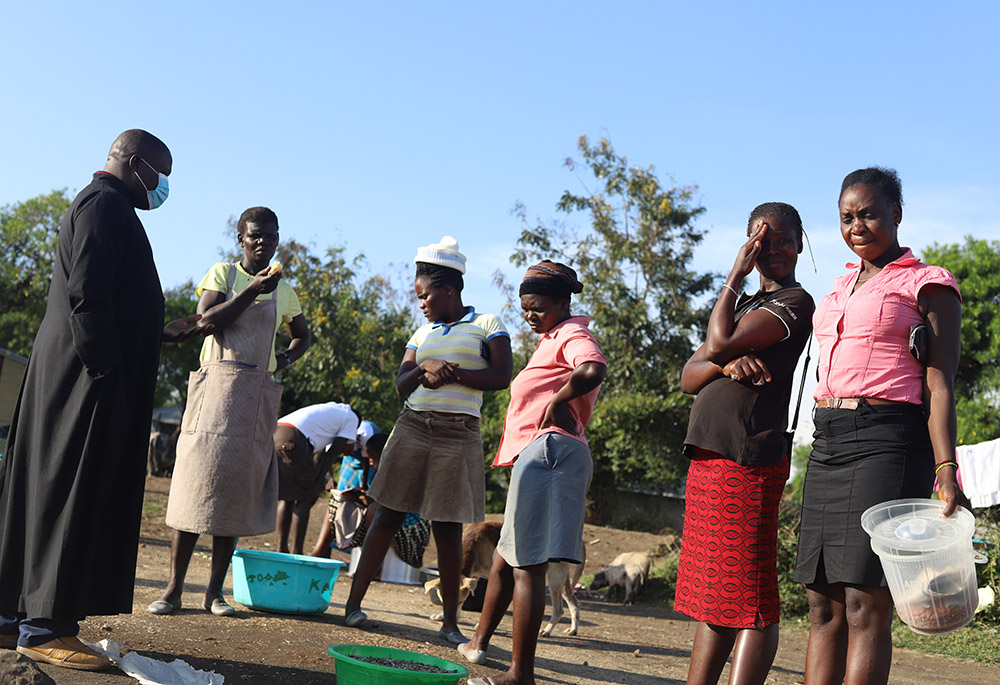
x=17, y=669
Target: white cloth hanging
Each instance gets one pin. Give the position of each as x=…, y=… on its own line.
x=979, y=472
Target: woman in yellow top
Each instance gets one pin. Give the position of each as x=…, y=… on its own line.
x=225, y=480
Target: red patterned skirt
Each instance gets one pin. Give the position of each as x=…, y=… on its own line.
x=728, y=568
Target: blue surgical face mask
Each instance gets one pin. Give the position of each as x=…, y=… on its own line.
x=158, y=195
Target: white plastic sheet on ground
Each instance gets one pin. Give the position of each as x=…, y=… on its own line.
x=152, y=672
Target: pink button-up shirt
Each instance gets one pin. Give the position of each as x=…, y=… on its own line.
x=864, y=336
x=565, y=347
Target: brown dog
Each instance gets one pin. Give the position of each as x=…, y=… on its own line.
x=479, y=541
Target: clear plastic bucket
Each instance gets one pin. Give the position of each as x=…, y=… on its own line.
x=928, y=562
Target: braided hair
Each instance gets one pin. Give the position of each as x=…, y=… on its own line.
x=781, y=209
x=440, y=276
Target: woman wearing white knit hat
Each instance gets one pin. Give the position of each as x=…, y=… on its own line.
x=433, y=462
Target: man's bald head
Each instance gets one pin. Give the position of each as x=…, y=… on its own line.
x=135, y=141
x=136, y=157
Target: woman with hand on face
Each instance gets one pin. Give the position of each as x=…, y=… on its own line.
x=737, y=442
x=551, y=402
x=432, y=464
x=225, y=480
x=885, y=424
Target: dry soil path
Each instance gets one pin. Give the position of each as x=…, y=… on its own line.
x=615, y=644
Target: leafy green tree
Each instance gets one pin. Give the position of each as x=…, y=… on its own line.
x=641, y=294
x=359, y=332
x=976, y=265
x=493, y=411
x=28, y=232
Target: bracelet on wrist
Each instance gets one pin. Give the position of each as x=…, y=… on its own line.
x=943, y=464
x=731, y=289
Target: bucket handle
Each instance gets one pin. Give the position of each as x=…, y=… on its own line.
x=979, y=557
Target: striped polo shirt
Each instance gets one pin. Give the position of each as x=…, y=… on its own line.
x=464, y=342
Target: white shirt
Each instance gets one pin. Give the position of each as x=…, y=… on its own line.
x=324, y=423
x=365, y=431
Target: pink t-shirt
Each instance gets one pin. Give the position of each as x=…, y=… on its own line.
x=864, y=336
x=565, y=347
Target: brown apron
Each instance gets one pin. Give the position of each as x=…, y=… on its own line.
x=225, y=479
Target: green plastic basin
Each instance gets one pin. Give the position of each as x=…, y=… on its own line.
x=356, y=672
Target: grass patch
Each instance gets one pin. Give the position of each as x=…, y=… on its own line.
x=662, y=582
x=152, y=509
x=976, y=642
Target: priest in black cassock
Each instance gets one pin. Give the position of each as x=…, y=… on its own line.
x=72, y=478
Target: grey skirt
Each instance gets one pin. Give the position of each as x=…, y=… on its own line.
x=546, y=502
x=433, y=465
x=860, y=458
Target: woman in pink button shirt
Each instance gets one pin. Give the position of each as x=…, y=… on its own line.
x=551, y=402
x=885, y=422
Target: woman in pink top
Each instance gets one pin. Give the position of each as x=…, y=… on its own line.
x=551, y=402
x=885, y=423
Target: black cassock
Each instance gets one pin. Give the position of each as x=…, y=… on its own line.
x=71, y=483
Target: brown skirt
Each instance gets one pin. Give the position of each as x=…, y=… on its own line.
x=433, y=465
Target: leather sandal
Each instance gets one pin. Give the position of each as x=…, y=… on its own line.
x=8, y=641
x=67, y=652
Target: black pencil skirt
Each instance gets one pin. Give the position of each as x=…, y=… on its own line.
x=860, y=458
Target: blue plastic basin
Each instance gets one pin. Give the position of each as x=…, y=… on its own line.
x=283, y=583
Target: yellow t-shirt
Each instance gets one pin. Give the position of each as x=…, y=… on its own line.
x=287, y=301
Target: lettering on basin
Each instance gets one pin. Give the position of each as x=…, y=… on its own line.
x=268, y=578
x=315, y=584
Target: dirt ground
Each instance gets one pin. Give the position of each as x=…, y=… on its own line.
x=615, y=644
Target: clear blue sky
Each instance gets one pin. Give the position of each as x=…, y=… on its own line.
x=383, y=126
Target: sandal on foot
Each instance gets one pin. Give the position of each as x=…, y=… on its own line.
x=8, y=641
x=162, y=607
x=453, y=636
x=356, y=618
x=474, y=656
x=219, y=607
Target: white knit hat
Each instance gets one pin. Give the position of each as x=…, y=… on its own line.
x=444, y=253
